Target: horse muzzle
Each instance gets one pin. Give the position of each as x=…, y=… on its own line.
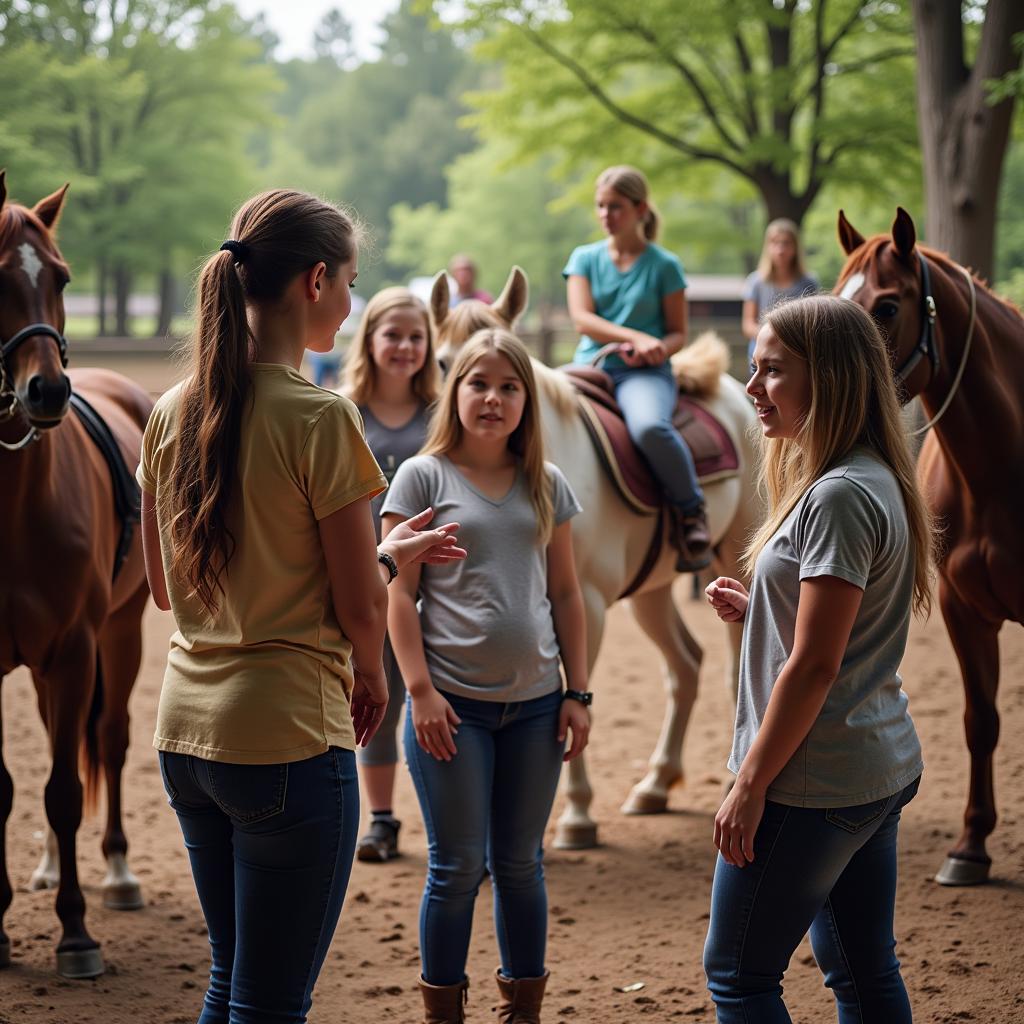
x=44, y=400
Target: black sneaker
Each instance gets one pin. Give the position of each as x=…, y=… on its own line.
x=381, y=842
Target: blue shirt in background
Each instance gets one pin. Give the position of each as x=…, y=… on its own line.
x=631, y=298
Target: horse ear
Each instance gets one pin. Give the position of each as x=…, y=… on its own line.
x=514, y=296
x=440, y=298
x=849, y=237
x=48, y=209
x=3, y=186
x=904, y=235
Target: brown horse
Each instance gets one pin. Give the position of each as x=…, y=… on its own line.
x=961, y=349
x=62, y=612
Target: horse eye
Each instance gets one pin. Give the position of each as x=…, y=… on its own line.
x=886, y=310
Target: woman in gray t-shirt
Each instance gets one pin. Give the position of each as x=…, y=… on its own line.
x=482, y=658
x=825, y=752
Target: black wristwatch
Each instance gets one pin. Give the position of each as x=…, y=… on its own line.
x=386, y=560
x=585, y=697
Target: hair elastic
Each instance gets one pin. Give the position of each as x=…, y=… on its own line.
x=237, y=249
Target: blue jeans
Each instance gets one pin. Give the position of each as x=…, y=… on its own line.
x=647, y=396
x=487, y=808
x=833, y=871
x=271, y=849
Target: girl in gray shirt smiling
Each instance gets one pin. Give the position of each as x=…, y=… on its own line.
x=486, y=718
x=825, y=752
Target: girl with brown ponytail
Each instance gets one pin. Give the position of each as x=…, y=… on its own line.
x=259, y=538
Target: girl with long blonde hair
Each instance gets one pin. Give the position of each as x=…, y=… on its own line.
x=258, y=536
x=392, y=376
x=486, y=715
x=825, y=752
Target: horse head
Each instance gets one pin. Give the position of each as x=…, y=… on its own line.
x=889, y=276
x=452, y=327
x=33, y=352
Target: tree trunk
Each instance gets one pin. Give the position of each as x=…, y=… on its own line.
x=778, y=197
x=547, y=334
x=101, y=297
x=163, y=321
x=122, y=290
x=963, y=138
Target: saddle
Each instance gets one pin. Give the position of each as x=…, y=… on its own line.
x=127, y=501
x=713, y=452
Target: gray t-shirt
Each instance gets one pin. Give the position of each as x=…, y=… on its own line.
x=851, y=523
x=767, y=295
x=391, y=446
x=487, y=626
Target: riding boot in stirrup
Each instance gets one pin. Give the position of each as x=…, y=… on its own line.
x=692, y=540
x=444, y=1004
x=520, y=998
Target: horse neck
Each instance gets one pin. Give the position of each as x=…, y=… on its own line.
x=26, y=474
x=982, y=415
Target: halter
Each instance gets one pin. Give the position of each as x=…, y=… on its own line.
x=926, y=343
x=8, y=396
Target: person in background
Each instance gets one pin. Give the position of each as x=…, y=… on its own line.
x=825, y=752
x=258, y=537
x=393, y=378
x=463, y=272
x=780, y=275
x=627, y=295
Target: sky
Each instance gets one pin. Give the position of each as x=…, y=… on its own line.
x=293, y=21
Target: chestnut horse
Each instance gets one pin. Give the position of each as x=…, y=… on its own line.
x=611, y=541
x=961, y=349
x=62, y=613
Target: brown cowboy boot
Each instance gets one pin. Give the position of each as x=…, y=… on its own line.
x=444, y=1004
x=520, y=998
x=692, y=540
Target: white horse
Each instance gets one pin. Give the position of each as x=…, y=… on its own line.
x=610, y=540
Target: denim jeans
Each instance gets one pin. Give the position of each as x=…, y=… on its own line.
x=647, y=397
x=487, y=808
x=271, y=848
x=833, y=871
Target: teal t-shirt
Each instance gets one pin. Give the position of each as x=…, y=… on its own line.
x=631, y=298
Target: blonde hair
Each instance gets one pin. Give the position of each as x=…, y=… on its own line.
x=525, y=442
x=784, y=226
x=360, y=369
x=631, y=184
x=853, y=402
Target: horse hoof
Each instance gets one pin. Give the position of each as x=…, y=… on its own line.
x=41, y=881
x=80, y=963
x=575, y=837
x=958, y=871
x=645, y=803
x=123, y=897
x=5, y=954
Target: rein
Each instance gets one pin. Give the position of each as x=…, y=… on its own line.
x=7, y=392
x=926, y=345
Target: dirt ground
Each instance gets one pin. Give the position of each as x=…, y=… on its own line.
x=634, y=910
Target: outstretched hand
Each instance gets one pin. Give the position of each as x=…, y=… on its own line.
x=728, y=597
x=408, y=542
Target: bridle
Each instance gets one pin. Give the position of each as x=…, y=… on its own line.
x=8, y=396
x=926, y=346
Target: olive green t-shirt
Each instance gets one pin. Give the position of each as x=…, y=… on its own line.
x=267, y=678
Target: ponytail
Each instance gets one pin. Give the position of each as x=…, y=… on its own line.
x=275, y=236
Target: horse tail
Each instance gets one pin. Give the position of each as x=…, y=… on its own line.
x=699, y=366
x=90, y=759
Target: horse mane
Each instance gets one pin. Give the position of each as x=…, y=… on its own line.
x=863, y=256
x=15, y=219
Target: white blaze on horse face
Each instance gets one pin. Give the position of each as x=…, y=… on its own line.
x=852, y=286
x=30, y=262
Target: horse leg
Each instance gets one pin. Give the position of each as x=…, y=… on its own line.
x=68, y=692
x=576, y=830
x=47, y=872
x=120, y=649
x=656, y=613
x=975, y=641
x=6, y=893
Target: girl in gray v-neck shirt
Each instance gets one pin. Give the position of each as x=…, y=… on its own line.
x=487, y=626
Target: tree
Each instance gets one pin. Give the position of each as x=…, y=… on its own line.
x=965, y=130
x=332, y=38
x=780, y=93
x=145, y=107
